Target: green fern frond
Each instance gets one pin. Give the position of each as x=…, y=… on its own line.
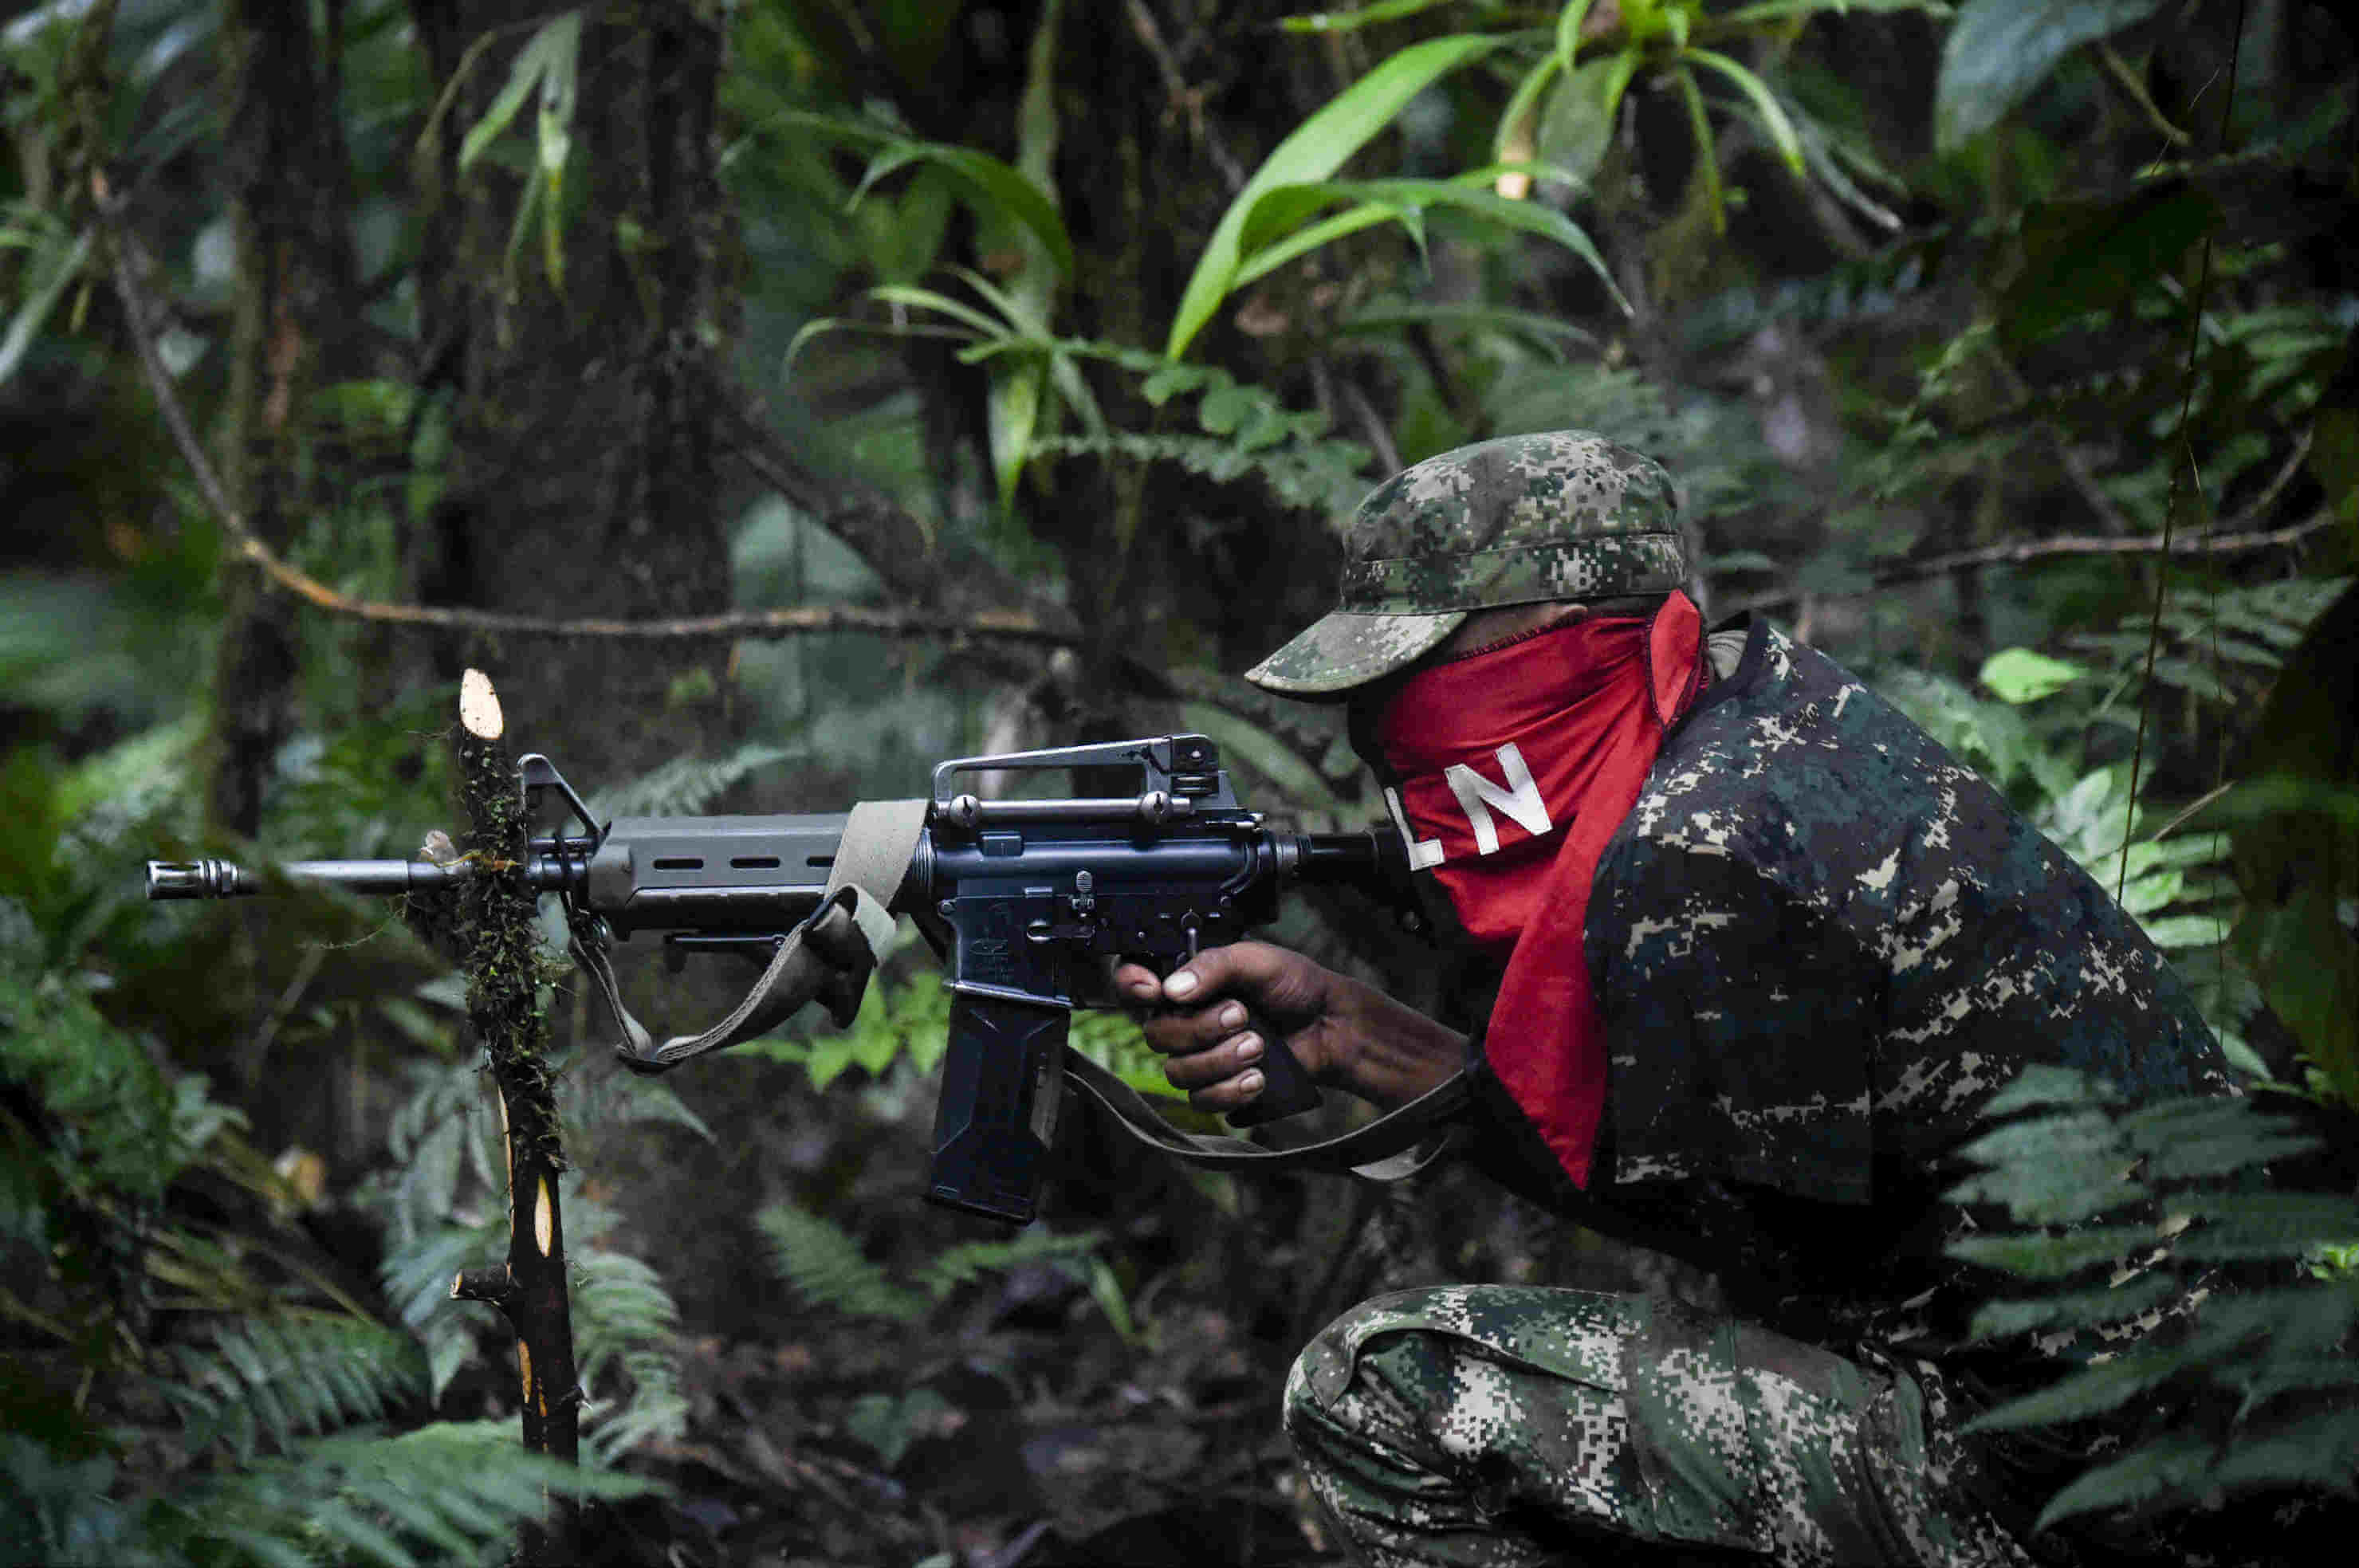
x=1113, y=1042
x=415, y=1275
x=591, y=1103
x=2319, y=1448
x=683, y=786
x=2174, y=1465
x=970, y=1261
x=627, y=1323
x=2040, y=1256
x=450, y=1492
x=2285, y=1225
x=1323, y=476
x=272, y=1380
x=1713, y=444
x=2210, y=1252
x=909, y=1019
x=55, y=1508
x=2124, y=1302
x=827, y=1268
x=447, y=1131
x=2090, y=1391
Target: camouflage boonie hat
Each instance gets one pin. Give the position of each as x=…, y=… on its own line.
x=1519, y=520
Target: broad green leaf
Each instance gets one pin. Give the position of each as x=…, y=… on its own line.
x=1316, y=149
x=981, y=175
x=885, y=162
x=1520, y=107
x=1024, y=313
x=1010, y=192
x=554, y=47
x=1404, y=201
x=2000, y=50
x=1015, y=414
x=1568, y=31
x=1105, y=1289
x=1707, y=162
x=1351, y=221
x=1773, y=113
x=1578, y=124
x=2020, y=675
x=1782, y=10
x=932, y=299
x=1351, y=21
x=829, y=1056
x=1035, y=283
x=560, y=59
x=54, y=267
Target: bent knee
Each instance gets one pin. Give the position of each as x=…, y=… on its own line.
x=1425, y=1335
x=1324, y=1370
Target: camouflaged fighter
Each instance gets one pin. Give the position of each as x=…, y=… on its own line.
x=1765, y=948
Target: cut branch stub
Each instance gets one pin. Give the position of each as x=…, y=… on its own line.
x=493, y=1285
x=478, y=706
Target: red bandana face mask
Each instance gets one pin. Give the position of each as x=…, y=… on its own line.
x=1510, y=770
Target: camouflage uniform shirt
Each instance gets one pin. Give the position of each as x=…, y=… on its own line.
x=1819, y=942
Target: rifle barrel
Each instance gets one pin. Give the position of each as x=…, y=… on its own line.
x=226, y=879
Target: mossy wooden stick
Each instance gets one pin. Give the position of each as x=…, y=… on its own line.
x=500, y=940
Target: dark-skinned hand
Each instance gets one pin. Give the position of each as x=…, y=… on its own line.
x=1347, y=1035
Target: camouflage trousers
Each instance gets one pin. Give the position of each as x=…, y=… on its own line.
x=1504, y=1425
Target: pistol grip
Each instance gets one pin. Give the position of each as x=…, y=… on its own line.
x=1286, y=1086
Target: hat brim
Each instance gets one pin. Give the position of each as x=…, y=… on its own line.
x=1345, y=650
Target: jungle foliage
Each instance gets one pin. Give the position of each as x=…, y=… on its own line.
x=2009, y=351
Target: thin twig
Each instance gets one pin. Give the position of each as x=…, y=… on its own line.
x=2269, y=492
x=2024, y=551
x=988, y=626
x=2182, y=463
x=306, y=969
x=2127, y=79
x=1185, y=98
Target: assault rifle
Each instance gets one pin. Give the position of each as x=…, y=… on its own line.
x=1027, y=898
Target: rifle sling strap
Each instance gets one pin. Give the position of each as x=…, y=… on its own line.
x=828, y=957
x=1400, y=1143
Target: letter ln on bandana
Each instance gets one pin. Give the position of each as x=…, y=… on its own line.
x=1510, y=770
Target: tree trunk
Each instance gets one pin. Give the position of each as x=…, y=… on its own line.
x=583, y=476
x=295, y=306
